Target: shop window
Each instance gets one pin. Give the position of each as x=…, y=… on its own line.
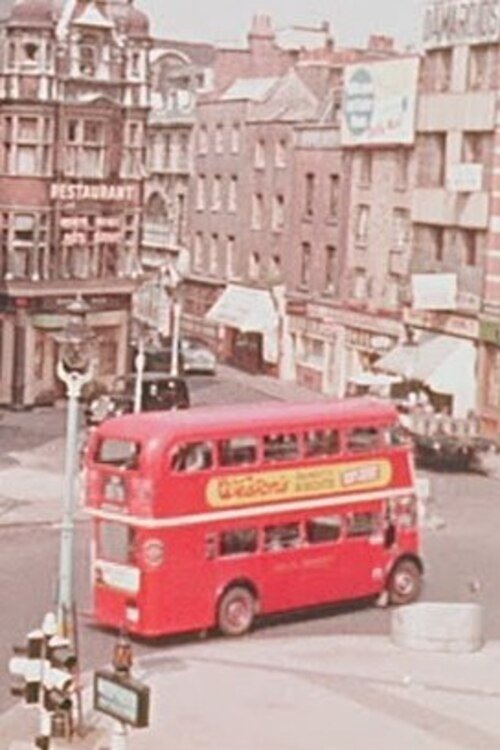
x=238, y=451
x=362, y=524
x=362, y=439
x=238, y=542
x=321, y=442
x=324, y=529
x=281, y=447
x=282, y=537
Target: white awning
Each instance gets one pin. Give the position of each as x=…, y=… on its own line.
x=249, y=310
x=444, y=363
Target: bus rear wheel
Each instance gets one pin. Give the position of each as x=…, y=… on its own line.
x=405, y=583
x=236, y=611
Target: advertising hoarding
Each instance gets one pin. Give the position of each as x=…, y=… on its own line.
x=380, y=103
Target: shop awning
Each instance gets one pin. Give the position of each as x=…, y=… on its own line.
x=443, y=363
x=249, y=310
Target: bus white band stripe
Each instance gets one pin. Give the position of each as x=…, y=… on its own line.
x=234, y=514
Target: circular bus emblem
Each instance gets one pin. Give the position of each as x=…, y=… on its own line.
x=153, y=553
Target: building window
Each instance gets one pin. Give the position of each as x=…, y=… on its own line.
x=198, y=251
x=133, y=147
x=431, y=160
x=231, y=257
x=260, y=154
x=482, y=62
x=333, y=198
x=232, y=194
x=437, y=243
x=401, y=229
x=203, y=140
x=362, y=224
x=88, y=57
x=183, y=154
x=25, y=246
x=254, y=266
x=213, y=258
x=365, y=168
x=401, y=169
x=360, y=291
x=393, y=291
x=280, y=153
x=85, y=148
x=331, y=271
x=309, y=196
x=470, y=247
x=438, y=70
x=200, y=192
x=216, y=193
x=278, y=213
x=219, y=139
x=235, y=137
x=305, y=265
x=257, y=211
x=27, y=145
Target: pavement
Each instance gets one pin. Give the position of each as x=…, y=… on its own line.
x=256, y=693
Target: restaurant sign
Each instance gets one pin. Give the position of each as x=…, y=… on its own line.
x=449, y=22
x=101, y=191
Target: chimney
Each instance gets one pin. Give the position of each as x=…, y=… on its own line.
x=380, y=43
x=261, y=36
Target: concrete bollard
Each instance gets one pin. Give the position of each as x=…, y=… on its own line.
x=436, y=626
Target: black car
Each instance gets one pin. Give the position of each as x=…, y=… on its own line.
x=159, y=392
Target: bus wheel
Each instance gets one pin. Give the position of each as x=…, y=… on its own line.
x=236, y=611
x=405, y=583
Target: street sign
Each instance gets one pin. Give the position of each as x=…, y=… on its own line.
x=121, y=697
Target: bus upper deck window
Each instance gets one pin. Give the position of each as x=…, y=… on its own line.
x=321, y=442
x=237, y=451
x=281, y=447
x=193, y=457
x=363, y=439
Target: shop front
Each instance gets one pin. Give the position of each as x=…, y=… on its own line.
x=489, y=377
x=250, y=328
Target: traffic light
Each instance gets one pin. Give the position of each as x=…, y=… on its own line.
x=29, y=665
x=59, y=685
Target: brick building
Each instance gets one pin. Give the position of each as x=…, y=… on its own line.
x=74, y=99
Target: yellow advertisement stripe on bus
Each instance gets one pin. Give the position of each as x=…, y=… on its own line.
x=289, y=484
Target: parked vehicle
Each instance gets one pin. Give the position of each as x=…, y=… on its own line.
x=197, y=357
x=159, y=392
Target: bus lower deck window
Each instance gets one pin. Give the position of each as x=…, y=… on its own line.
x=238, y=542
x=362, y=524
x=283, y=536
x=324, y=529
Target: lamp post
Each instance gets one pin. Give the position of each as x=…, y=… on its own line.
x=75, y=367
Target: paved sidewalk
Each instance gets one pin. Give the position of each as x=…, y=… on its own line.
x=324, y=692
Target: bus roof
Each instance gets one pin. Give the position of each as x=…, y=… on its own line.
x=232, y=418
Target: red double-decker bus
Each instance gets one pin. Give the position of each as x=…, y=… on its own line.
x=214, y=515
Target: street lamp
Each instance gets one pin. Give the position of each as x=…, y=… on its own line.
x=75, y=367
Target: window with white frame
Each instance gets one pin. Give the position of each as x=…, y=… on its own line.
x=219, y=139
x=360, y=290
x=278, y=213
x=401, y=229
x=305, y=265
x=260, y=154
x=85, y=148
x=235, y=137
x=254, y=266
x=331, y=269
x=200, y=192
x=230, y=257
x=232, y=194
x=257, y=210
x=280, y=153
x=362, y=224
x=216, y=193
x=213, y=255
x=198, y=251
x=132, y=153
x=203, y=140
x=27, y=145
x=25, y=246
x=334, y=197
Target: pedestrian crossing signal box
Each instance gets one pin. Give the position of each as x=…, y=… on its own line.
x=122, y=697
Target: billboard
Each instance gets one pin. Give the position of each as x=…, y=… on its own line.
x=380, y=102
x=449, y=22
